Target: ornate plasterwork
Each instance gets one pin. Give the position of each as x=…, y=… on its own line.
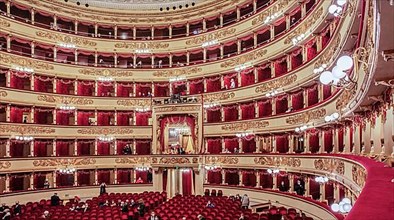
x=3, y=93
x=25, y=129
x=24, y=62
x=177, y=72
x=132, y=160
x=282, y=4
x=172, y=160
x=4, y=23
x=134, y=102
x=305, y=27
x=105, y=131
x=5, y=164
x=218, y=96
x=65, y=100
x=177, y=109
x=306, y=117
x=344, y=98
x=329, y=53
x=222, y=160
x=142, y=45
x=330, y=165
x=212, y=36
x=358, y=175
x=64, y=162
x=276, y=84
x=106, y=72
x=243, y=59
x=63, y=38
x=278, y=161
x=242, y=126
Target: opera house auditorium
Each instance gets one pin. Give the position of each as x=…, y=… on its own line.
x=197, y=109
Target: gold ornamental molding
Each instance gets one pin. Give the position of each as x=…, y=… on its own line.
x=105, y=131
x=330, y=52
x=106, y=72
x=306, y=117
x=132, y=160
x=177, y=72
x=65, y=39
x=23, y=62
x=278, y=161
x=305, y=27
x=142, y=45
x=64, y=162
x=218, y=96
x=134, y=102
x=330, y=165
x=3, y=93
x=344, y=98
x=172, y=160
x=271, y=11
x=8, y=129
x=358, y=175
x=177, y=108
x=247, y=58
x=64, y=100
x=212, y=36
x=243, y=126
x=276, y=84
x=5, y=164
x=4, y=23
x=222, y=160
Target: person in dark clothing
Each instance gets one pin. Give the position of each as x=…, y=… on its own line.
x=200, y=217
x=125, y=207
x=103, y=188
x=149, y=176
x=3, y=207
x=55, y=200
x=283, y=187
x=17, y=209
x=141, y=208
x=127, y=150
x=299, y=188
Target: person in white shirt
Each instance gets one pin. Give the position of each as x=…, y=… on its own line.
x=232, y=84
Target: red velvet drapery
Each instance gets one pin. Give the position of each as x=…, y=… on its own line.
x=39, y=180
x=63, y=148
x=280, y=66
x=83, y=177
x=213, y=84
x=329, y=190
x=43, y=116
x=297, y=100
x=64, y=86
x=313, y=95
x=196, y=86
x=19, y=148
x=296, y=59
x=231, y=144
x=215, y=176
x=142, y=174
x=281, y=104
x=247, y=111
x=282, y=143
x=282, y=176
x=328, y=143
x=103, y=148
x=43, y=84
x=214, y=115
x=124, y=89
x=178, y=120
x=214, y=145
x=20, y=80
x=247, y=77
x=124, y=176
x=314, y=141
x=341, y=143
x=187, y=180
x=265, y=108
x=232, y=177
x=143, y=147
x=41, y=148
x=162, y=89
x=84, y=148
x=230, y=113
x=63, y=117
x=105, y=89
x=249, y=178
x=104, y=176
x=64, y=180
x=16, y=115
x=105, y=118
x=264, y=72
x=85, y=88
x=266, y=180
x=83, y=117
x=314, y=189
x=248, y=144
x=142, y=118
x=124, y=118
x=17, y=182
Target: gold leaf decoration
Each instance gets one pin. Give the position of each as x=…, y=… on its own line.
x=64, y=162
x=65, y=100
x=211, y=36
x=4, y=23
x=329, y=53
x=177, y=108
x=174, y=160
x=105, y=131
x=5, y=164
x=282, y=4
x=134, y=102
x=344, y=98
x=305, y=117
x=241, y=126
x=247, y=58
x=330, y=165
x=218, y=96
x=177, y=72
x=63, y=38
x=25, y=129
x=3, y=93
x=222, y=160
x=278, y=161
x=106, y=72
x=276, y=84
x=142, y=45
x=24, y=62
x=132, y=160
x=358, y=175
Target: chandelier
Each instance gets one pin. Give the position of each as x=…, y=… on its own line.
x=334, y=116
x=211, y=105
x=143, y=109
x=105, y=79
x=272, y=93
x=244, y=134
x=212, y=167
x=302, y=128
x=337, y=9
x=338, y=75
x=321, y=179
x=106, y=138
x=343, y=207
x=273, y=171
x=67, y=107
x=142, y=168
x=24, y=138
x=67, y=170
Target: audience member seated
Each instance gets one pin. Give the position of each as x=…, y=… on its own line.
x=283, y=187
x=127, y=150
x=55, y=200
x=200, y=217
x=124, y=207
x=299, y=188
x=226, y=151
x=7, y=214
x=17, y=209
x=139, y=180
x=153, y=216
x=141, y=208
x=46, y=184
x=242, y=217
x=210, y=205
x=46, y=215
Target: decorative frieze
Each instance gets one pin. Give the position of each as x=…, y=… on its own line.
x=330, y=165
x=218, y=96
x=63, y=38
x=64, y=162
x=344, y=99
x=5, y=164
x=211, y=36
x=329, y=54
x=222, y=160
x=134, y=102
x=177, y=72
x=65, y=100
x=243, y=59
x=3, y=93
x=133, y=160
x=277, y=8
x=106, y=72
x=359, y=175
x=4, y=23
x=105, y=131
x=25, y=129
x=242, y=126
x=142, y=45
x=177, y=109
x=171, y=160
x=276, y=84
x=278, y=161
x=24, y=62
x=306, y=117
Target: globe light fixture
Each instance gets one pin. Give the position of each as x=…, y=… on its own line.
x=321, y=179
x=24, y=138
x=67, y=170
x=273, y=171
x=334, y=116
x=338, y=76
x=337, y=9
x=106, y=139
x=342, y=207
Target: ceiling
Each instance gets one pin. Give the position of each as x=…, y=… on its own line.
x=137, y=4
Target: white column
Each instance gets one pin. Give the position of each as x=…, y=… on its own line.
x=388, y=132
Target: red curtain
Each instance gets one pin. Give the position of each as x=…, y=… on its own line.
x=16, y=115
x=213, y=84
x=124, y=89
x=282, y=176
x=247, y=77
x=143, y=89
x=296, y=59
x=103, y=148
x=41, y=115
x=124, y=176
x=39, y=180
x=63, y=148
x=232, y=177
x=265, y=108
x=104, y=118
x=83, y=178
x=214, y=145
x=83, y=117
x=228, y=79
x=196, y=86
x=85, y=88
x=248, y=111
x=63, y=117
x=280, y=66
x=326, y=91
x=142, y=174
x=214, y=115
x=230, y=113
x=249, y=178
x=313, y=95
x=314, y=141
x=249, y=144
x=341, y=144
x=63, y=180
x=177, y=119
x=42, y=84
x=266, y=181
x=124, y=118
x=311, y=50
x=83, y=148
x=64, y=86
x=142, y=118
x=231, y=144
x=162, y=89
x=17, y=182
x=19, y=80
x=314, y=189
x=17, y=148
x=297, y=100
x=104, y=176
x=282, y=144
x=264, y=72
x=329, y=190
x=143, y=147
x=40, y=148
x=120, y=144
x=187, y=180
x=105, y=89
x=281, y=104
x=328, y=145
x=214, y=176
